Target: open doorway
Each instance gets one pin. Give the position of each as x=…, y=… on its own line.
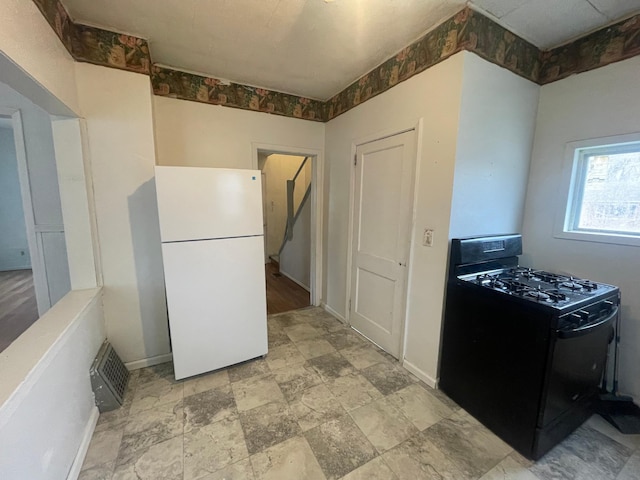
x=287, y=185
x=18, y=306
x=34, y=271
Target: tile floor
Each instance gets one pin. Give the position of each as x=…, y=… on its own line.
x=323, y=404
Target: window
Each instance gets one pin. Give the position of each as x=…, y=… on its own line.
x=603, y=200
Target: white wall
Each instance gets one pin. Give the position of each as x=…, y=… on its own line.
x=598, y=103
x=47, y=410
x=76, y=197
x=30, y=45
x=118, y=112
x=14, y=247
x=196, y=134
x=497, y=121
x=295, y=260
x=476, y=140
x=46, y=403
x=435, y=96
x=278, y=169
x=44, y=219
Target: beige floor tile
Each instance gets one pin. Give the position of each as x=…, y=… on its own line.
x=388, y=377
x=376, y=469
x=117, y=418
x=384, y=425
x=150, y=427
x=315, y=347
x=284, y=356
x=213, y=447
x=253, y=368
x=303, y=331
x=103, y=448
x=600, y=424
x=353, y=391
x=287, y=319
x=292, y=459
x=346, y=338
x=295, y=379
x=331, y=365
x=253, y=392
x=208, y=407
x=468, y=443
x=586, y=454
x=99, y=472
x=241, y=470
x=156, y=393
x=362, y=356
x=162, y=461
x=631, y=470
x=315, y=406
x=268, y=425
x=339, y=446
x=206, y=382
x=510, y=469
x=162, y=371
x=419, y=406
x=418, y=458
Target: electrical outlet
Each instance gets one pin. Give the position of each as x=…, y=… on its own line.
x=427, y=238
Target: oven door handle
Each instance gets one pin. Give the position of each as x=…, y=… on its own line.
x=578, y=332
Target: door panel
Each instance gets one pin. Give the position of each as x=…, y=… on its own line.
x=198, y=203
x=381, y=238
x=380, y=172
x=376, y=305
x=216, y=301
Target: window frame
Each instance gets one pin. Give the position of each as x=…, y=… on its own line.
x=573, y=178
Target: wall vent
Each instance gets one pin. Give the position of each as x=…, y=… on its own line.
x=109, y=379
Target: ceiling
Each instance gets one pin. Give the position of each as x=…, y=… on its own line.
x=316, y=48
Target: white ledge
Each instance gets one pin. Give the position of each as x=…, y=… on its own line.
x=22, y=363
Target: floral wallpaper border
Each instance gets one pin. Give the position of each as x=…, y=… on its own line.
x=188, y=86
x=96, y=45
x=603, y=47
x=467, y=30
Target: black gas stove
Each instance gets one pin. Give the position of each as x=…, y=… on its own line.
x=550, y=289
x=523, y=350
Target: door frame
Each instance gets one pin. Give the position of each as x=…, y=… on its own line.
x=317, y=203
x=41, y=286
x=417, y=127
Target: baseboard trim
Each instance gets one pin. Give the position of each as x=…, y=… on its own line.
x=432, y=382
x=285, y=274
x=149, y=362
x=76, y=466
x=330, y=310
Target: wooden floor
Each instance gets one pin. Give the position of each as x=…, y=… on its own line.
x=283, y=294
x=18, y=309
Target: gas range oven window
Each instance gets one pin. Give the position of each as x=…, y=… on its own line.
x=602, y=180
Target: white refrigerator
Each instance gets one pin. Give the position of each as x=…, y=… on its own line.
x=213, y=254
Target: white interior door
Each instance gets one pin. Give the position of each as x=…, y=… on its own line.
x=381, y=238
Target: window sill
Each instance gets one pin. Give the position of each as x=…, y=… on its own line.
x=617, y=239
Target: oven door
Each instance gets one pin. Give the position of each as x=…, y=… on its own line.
x=576, y=368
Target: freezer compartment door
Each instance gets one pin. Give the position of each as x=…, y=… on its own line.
x=196, y=203
x=217, y=303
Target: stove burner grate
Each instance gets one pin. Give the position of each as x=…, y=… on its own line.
x=537, y=294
